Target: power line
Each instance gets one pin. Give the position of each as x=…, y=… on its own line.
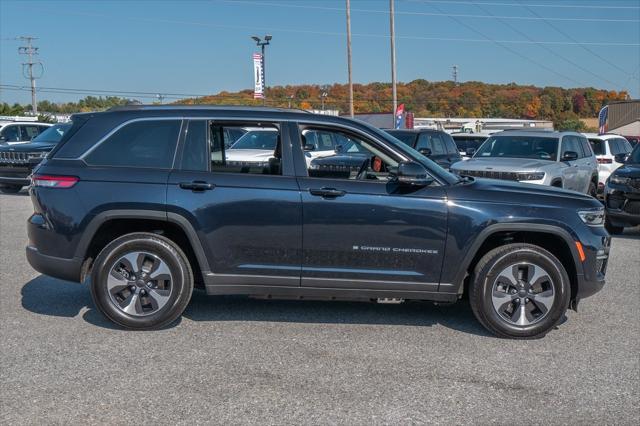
x=568, y=36
x=515, y=52
x=341, y=34
x=551, y=51
x=457, y=15
x=551, y=6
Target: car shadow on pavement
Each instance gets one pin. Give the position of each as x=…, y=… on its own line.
x=49, y=296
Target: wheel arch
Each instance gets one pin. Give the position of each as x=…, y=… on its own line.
x=110, y=224
x=553, y=238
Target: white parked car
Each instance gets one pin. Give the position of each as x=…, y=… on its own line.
x=606, y=147
x=15, y=132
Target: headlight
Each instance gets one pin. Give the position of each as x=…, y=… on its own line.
x=531, y=176
x=620, y=180
x=593, y=217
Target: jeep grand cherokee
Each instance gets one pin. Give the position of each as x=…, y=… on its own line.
x=143, y=201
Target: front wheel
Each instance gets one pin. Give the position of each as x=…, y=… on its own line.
x=611, y=228
x=519, y=291
x=141, y=281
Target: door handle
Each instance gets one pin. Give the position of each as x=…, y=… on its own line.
x=197, y=185
x=327, y=192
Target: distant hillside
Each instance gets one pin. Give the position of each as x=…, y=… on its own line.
x=440, y=99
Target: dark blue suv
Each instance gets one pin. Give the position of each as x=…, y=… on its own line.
x=149, y=202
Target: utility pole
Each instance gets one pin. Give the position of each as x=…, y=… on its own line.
x=393, y=54
x=30, y=51
x=323, y=96
x=455, y=74
x=290, y=100
x=349, y=58
x=262, y=44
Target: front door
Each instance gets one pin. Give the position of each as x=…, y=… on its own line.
x=242, y=200
x=361, y=230
x=571, y=171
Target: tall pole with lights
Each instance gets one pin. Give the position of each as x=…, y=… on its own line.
x=262, y=43
x=392, y=31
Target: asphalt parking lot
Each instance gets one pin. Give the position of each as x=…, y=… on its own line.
x=235, y=360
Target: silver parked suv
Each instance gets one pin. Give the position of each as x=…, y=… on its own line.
x=561, y=159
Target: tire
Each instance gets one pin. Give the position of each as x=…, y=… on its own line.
x=593, y=190
x=141, y=281
x=10, y=189
x=508, y=316
x=612, y=229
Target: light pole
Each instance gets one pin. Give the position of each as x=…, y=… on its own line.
x=323, y=95
x=392, y=32
x=349, y=58
x=262, y=43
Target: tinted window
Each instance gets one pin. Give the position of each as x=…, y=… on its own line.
x=53, y=134
x=635, y=155
x=571, y=144
x=30, y=132
x=451, y=145
x=626, y=146
x=598, y=146
x=257, y=151
x=424, y=141
x=139, y=144
x=586, y=147
x=11, y=134
x=407, y=138
x=321, y=141
x=519, y=147
x=194, y=155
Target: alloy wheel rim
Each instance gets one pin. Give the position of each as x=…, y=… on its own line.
x=523, y=294
x=139, y=283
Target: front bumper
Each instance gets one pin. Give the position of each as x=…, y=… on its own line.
x=15, y=174
x=622, y=204
x=596, y=248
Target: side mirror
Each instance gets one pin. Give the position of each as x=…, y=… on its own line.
x=621, y=158
x=309, y=147
x=570, y=156
x=470, y=151
x=338, y=149
x=425, y=151
x=413, y=174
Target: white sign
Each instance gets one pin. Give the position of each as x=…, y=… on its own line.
x=258, y=76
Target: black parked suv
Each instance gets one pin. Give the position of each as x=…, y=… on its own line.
x=622, y=193
x=17, y=161
x=439, y=146
x=143, y=201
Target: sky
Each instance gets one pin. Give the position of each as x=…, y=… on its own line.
x=204, y=47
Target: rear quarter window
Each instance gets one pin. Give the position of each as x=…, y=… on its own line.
x=149, y=143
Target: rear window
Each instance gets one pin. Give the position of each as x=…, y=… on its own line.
x=598, y=146
x=150, y=143
x=407, y=138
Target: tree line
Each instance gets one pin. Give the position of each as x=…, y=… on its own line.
x=565, y=107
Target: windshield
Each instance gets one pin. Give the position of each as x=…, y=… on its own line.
x=464, y=142
x=519, y=147
x=257, y=139
x=408, y=138
x=634, y=157
x=53, y=134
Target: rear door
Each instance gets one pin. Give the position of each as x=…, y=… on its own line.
x=587, y=163
x=453, y=155
x=247, y=213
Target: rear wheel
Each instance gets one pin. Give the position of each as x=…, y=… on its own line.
x=10, y=189
x=612, y=229
x=519, y=291
x=141, y=281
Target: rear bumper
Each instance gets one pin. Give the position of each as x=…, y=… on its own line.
x=57, y=267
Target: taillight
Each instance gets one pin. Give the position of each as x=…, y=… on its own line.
x=605, y=161
x=49, y=181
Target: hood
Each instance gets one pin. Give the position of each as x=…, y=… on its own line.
x=628, y=170
x=248, y=155
x=29, y=147
x=526, y=193
x=502, y=164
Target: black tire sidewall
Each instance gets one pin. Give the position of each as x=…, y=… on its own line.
x=163, y=248
x=538, y=257
x=10, y=189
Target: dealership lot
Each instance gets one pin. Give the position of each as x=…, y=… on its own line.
x=237, y=360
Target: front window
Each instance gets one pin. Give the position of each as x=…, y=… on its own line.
x=519, y=147
x=257, y=139
x=597, y=145
x=53, y=134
